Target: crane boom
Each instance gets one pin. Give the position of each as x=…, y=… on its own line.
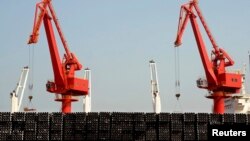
x=17, y=94
x=155, y=92
x=218, y=80
x=65, y=82
x=37, y=24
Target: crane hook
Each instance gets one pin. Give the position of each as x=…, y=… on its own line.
x=177, y=96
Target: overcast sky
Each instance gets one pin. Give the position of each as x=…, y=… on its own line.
x=116, y=39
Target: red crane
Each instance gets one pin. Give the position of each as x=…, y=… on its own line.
x=219, y=82
x=65, y=83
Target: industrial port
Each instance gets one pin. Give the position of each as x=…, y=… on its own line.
x=70, y=79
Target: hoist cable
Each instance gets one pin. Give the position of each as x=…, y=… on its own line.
x=249, y=60
x=31, y=65
x=177, y=71
x=31, y=76
x=177, y=81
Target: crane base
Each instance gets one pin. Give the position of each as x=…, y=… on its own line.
x=66, y=103
x=218, y=98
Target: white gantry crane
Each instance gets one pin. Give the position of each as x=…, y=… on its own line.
x=87, y=98
x=17, y=94
x=155, y=87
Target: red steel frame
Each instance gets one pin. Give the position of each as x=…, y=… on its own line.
x=219, y=82
x=65, y=83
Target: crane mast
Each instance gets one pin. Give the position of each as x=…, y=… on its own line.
x=155, y=87
x=87, y=98
x=218, y=82
x=17, y=94
x=65, y=83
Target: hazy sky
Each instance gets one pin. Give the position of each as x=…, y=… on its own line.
x=116, y=39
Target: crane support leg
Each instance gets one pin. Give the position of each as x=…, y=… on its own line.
x=218, y=98
x=218, y=104
x=66, y=102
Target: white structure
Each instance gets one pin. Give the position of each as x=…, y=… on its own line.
x=17, y=94
x=87, y=98
x=239, y=103
x=155, y=88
